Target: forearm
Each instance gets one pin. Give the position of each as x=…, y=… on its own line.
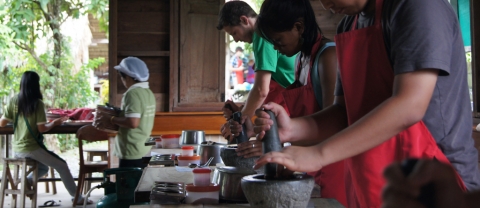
x=124, y=122
x=319, y=126
x=255, y=99
x=3, y=122
x=382, y=123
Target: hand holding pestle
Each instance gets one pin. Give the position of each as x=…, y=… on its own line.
x=242, y=136
x=271, y=142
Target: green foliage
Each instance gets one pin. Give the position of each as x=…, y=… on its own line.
x=104, y=91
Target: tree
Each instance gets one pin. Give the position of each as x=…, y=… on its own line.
x=24, y=23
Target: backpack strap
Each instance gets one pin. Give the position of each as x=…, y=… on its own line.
x=317, y=87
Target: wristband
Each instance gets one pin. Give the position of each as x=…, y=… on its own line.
x=111, y=119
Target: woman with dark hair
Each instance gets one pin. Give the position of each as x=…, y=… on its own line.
x=291, y=27
x=27, y=113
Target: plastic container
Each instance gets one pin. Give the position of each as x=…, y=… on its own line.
x=202, y=194
x=170, y=141
x=187, y=151
x=184, y=160
x=201, y=176
x=158, y=142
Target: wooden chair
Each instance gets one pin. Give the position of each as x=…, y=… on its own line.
x=54, y=186
x=91, y=134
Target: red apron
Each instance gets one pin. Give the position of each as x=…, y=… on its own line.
x=367, y=80
x=275, y=94
x=300, y=101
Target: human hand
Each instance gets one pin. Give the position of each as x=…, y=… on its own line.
x=252, y=148
x=236, y=127
x=225, y=131
x=263, y=122
x=60, y=120
x=403, y=191
x=294, y=158
x=229, y=108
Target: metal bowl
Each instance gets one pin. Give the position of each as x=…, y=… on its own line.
x=205, y=151
x=192, y=137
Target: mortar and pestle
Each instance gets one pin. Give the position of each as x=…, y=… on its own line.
x=229, y=155
x=236, y=167
x=264, y=190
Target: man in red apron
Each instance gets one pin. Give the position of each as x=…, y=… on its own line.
x=387, y=111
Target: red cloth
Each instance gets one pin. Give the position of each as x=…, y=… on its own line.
x=74, y=114
x=367, y=80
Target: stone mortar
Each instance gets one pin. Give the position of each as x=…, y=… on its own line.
x=230, y=158
x=277, y=193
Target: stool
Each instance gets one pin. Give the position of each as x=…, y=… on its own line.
x=103, y=153
x=54, y=186
x=15, y=180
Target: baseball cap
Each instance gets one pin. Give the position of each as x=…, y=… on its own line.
x=134, y=67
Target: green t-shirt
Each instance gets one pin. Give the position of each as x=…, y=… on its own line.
x=137, y=102
x=23, y=141
x=269, y=59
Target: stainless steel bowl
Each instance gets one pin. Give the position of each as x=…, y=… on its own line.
x=205, y=151
x=192, y=137
x=229, y=180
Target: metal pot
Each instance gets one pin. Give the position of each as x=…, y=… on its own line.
x=205, y=151
x=192, y=137
x=229, y=179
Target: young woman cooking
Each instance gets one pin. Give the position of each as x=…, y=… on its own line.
x=291, y=27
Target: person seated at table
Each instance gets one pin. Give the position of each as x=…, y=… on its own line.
x=137, y=115
x=27, y=113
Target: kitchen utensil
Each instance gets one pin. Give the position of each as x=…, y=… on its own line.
x=205, y=151
x=193, y=165
x=272, y=193
x=271, y=142
x=167, y=193
x=229, y=178
x=192, y=137
x=242, y=136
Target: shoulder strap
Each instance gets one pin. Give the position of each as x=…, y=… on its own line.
x=29, y=128
x=317, y=87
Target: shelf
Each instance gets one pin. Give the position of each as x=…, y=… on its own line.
x=143, y=53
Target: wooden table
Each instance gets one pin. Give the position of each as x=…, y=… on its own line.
x=65, y=128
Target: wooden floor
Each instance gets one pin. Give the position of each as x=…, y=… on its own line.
x=62, y=197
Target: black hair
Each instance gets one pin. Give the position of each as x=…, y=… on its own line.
x=30, y=94
x=281, y=15
x=231, y=12
x=239, y=49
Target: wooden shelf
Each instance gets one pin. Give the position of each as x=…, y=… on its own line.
x=143, y=53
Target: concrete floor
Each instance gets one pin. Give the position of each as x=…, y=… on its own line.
x=62, y=197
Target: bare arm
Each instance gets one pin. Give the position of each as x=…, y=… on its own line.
x=259, y=92
x=126, y=122
x=411, y=95
x=327, y=71
x=48, y=126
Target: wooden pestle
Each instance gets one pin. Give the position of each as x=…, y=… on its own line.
x=271, y=142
